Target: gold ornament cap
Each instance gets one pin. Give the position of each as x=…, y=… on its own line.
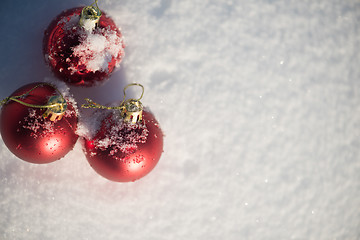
x=132, y=111
x=57, y=108
x=90, y=16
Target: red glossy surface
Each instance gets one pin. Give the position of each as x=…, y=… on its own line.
x=30, y=136
x=125, y=162
x=58, y=44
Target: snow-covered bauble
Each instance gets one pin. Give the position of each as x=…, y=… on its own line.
x=38, y=123
x=124, y=142
x=83, y=46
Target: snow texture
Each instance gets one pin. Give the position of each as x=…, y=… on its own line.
x=96, y=48
x=117, y=135
x=259, y=102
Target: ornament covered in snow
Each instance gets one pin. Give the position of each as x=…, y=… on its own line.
x=38, y=123
x=83, y=46
x=127, y=142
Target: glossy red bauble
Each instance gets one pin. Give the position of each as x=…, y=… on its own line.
x=123, y=152
x=31, y=136
x=78, y=56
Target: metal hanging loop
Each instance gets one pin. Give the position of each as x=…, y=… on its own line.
x=56, y=105
x=130, y=110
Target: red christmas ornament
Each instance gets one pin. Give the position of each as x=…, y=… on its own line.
x=83, y=46
x=127, y=145
x=38, y=124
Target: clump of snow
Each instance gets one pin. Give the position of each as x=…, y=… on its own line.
x=42, y=127
x=97, y=48
x=88, y=126
x=61, y=86
x=89, y=25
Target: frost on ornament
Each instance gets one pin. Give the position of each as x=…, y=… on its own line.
x=41, y=127
x=82, y=55
x=37, y=124
x=121, y=136
x=118, y=137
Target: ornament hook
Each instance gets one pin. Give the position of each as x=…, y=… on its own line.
x=90, y=16
x=130, y=85
x=130, y=109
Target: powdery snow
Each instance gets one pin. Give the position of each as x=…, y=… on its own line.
x=258, y=101
x=96, y=49
x=117, y=133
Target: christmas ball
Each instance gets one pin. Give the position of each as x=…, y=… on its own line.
x=121, y=150
x=83, y=49
x=34, y=131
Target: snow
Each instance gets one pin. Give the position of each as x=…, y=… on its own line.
x=258, y=100
x=97, y=49
x=120, y=135
x=35, y=122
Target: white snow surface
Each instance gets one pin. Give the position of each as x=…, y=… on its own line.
x=259, y=102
